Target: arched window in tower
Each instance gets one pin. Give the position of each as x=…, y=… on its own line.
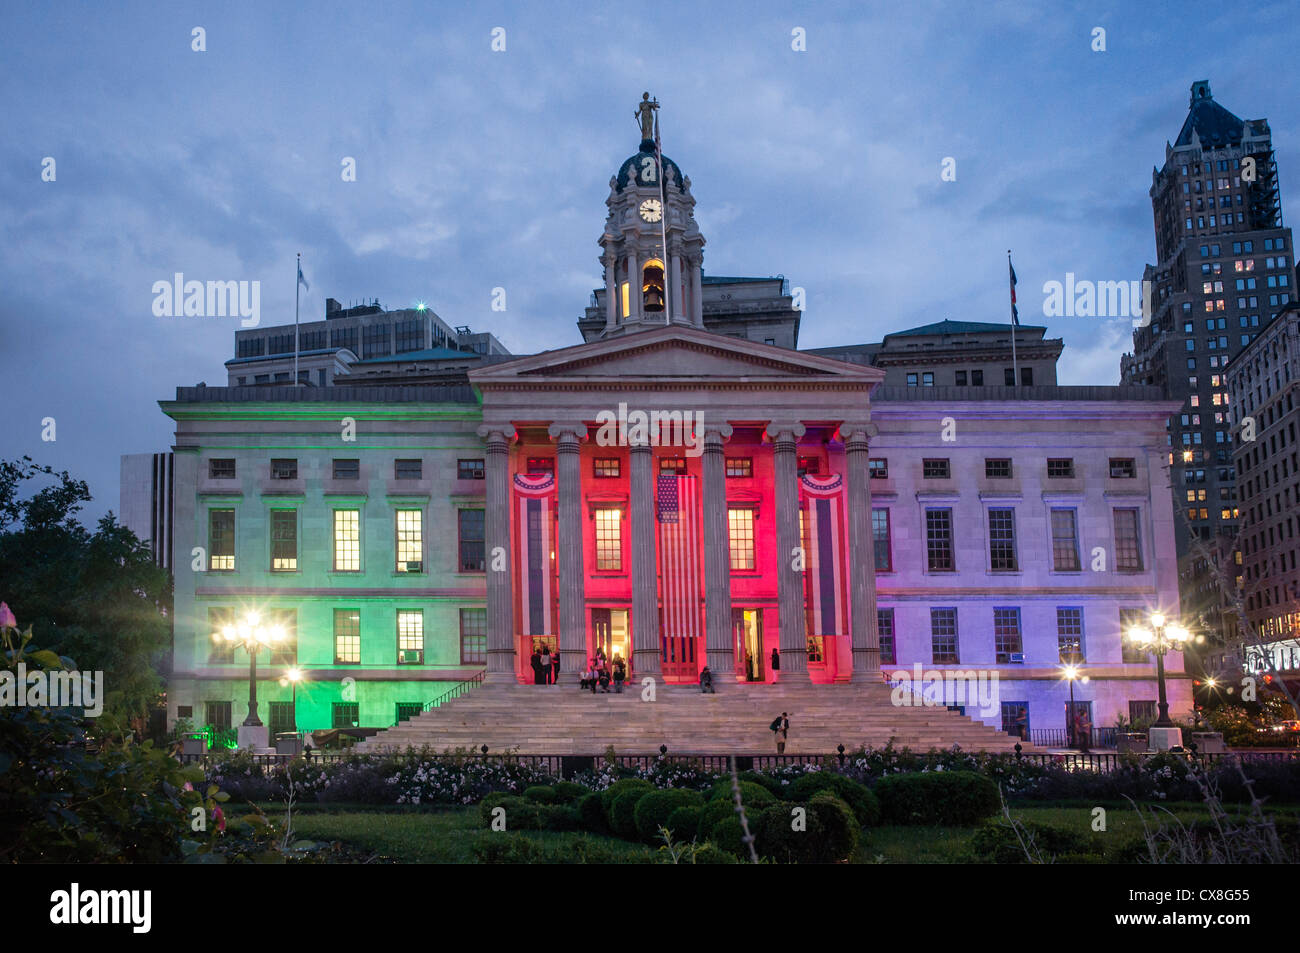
x=652, y=286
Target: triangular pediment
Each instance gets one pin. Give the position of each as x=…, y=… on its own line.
x=674, y=354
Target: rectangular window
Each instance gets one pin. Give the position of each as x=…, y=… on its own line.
x=1060, y=468
x=961, y=379
x=943, y=636
x=1027, y=376
x=1009, y=377
x=997, y=468
x=1129, y=619
x=473, y=636
x=885, y=628
x=1142, y=712
x=285, y=652
x=740, y=467
x=1006, y=635
x=1122, y=468
x=672, y=466
x=938, y=540
x=410, y=636
x=1069, y=634
x=878, y=467
x=1065, y=541
x=347, y=540
x=609, y=539
x=1015, y=719
x=345, y=715
x=281, y=718
x=412, y=469
x=221, y=469
x=1002, y=540
x=935, y=469
x=471, y=538
x=740, y=536
x=540, y=465
x=1128, y=547
x=470, y=470
x=606, y=468
x=284, y=540
x=217, y=714
x=284, y=469
x=347, y=469
x=221, y=652
x=221, y=540
x=347, y=636
x=977, y=378
x=410, y=541
x=880, y=536
x=408, y=710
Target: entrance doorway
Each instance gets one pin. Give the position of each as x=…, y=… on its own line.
x=747, y=624
x=610, y=632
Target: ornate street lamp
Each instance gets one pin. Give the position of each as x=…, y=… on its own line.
x=1162, y=637
x=253, y=636
x=1072, y=674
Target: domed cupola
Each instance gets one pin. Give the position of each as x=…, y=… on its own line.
x=653, y=249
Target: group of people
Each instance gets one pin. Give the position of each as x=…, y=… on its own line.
x=546, y=666
x=602, y=672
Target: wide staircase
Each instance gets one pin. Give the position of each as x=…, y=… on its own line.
x=562, y=720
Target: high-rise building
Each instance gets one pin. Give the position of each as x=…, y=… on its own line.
x=1224, y=268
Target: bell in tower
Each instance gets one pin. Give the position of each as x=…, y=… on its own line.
x=652, y=287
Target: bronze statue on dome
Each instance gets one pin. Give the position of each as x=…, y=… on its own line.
x=645, y=113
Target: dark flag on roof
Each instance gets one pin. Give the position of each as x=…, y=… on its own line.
x=1015, y=312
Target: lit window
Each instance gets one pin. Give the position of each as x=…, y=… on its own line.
x=880, y=537
x=609, y=539
x=347, y=636
x=740, y=534
x=221, y=540
x=284, y=540
x=410, y=636
x=347, y=540
x=410, y=541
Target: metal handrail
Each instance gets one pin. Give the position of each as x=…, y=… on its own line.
x=455, y=691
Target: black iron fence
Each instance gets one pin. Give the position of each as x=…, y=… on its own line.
x=567, y=765
x=1098, y=737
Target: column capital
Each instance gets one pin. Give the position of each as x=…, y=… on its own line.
x=497, y=433
x=715, y=435
x=853, y=431
x=776, y=428
x=576, y=431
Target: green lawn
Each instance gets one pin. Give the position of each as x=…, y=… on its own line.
x=449, y=835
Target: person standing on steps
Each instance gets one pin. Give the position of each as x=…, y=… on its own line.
x=706, y=681
x=555, y=667
x=620, y=673
x=546, y=665
x=780, y=728
x=536, y=663
x=776, y=661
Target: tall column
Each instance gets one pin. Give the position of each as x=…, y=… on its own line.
x=862, y=550
x=717, y=557
x=789, y=580
x=611, y=291
x=568, y=439
x=674, y=289
x=633, y=286
x=697, y=299
x=645, y=572
x=499, y=555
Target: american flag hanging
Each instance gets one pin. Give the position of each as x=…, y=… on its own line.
x=824, y=518
x=677, y=511
x=534, y=497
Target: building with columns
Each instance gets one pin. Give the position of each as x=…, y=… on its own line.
x=684, y=487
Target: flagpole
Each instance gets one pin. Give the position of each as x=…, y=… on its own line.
x=669, y=291
x=297, y=283
x=1015, y=367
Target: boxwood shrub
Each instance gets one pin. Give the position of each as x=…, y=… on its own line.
x=955, y=798
x=652, y=810
x=566, y=792
x=865, y=805
x=608, y=795
x=684, y=822
x=996, y=842
x=751, y=793
x=622, y=813
x=541, y=793
x=592, y=814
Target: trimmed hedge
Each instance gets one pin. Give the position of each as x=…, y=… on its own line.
x=618, y=787
x=622, y=813
x=752, y=794
x=997, y=842
x=684, y=822
x=541, y=793
x=946, y=798
x=829, y=831
x=865, y=805
x=712, y=814
x=652, y=809
x=592, y=814
x=566, y=792
x=728, y=835
x=841, y=828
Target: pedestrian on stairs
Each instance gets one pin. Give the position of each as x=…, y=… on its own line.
x=780, y=727
x=536, y=663
x=776, y=661
x=706, y=681
x=546, y=665
x=620, y=674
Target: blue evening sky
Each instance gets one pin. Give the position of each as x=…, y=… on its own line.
x=478, y=169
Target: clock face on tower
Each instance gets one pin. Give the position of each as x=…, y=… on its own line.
x=652, y=210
